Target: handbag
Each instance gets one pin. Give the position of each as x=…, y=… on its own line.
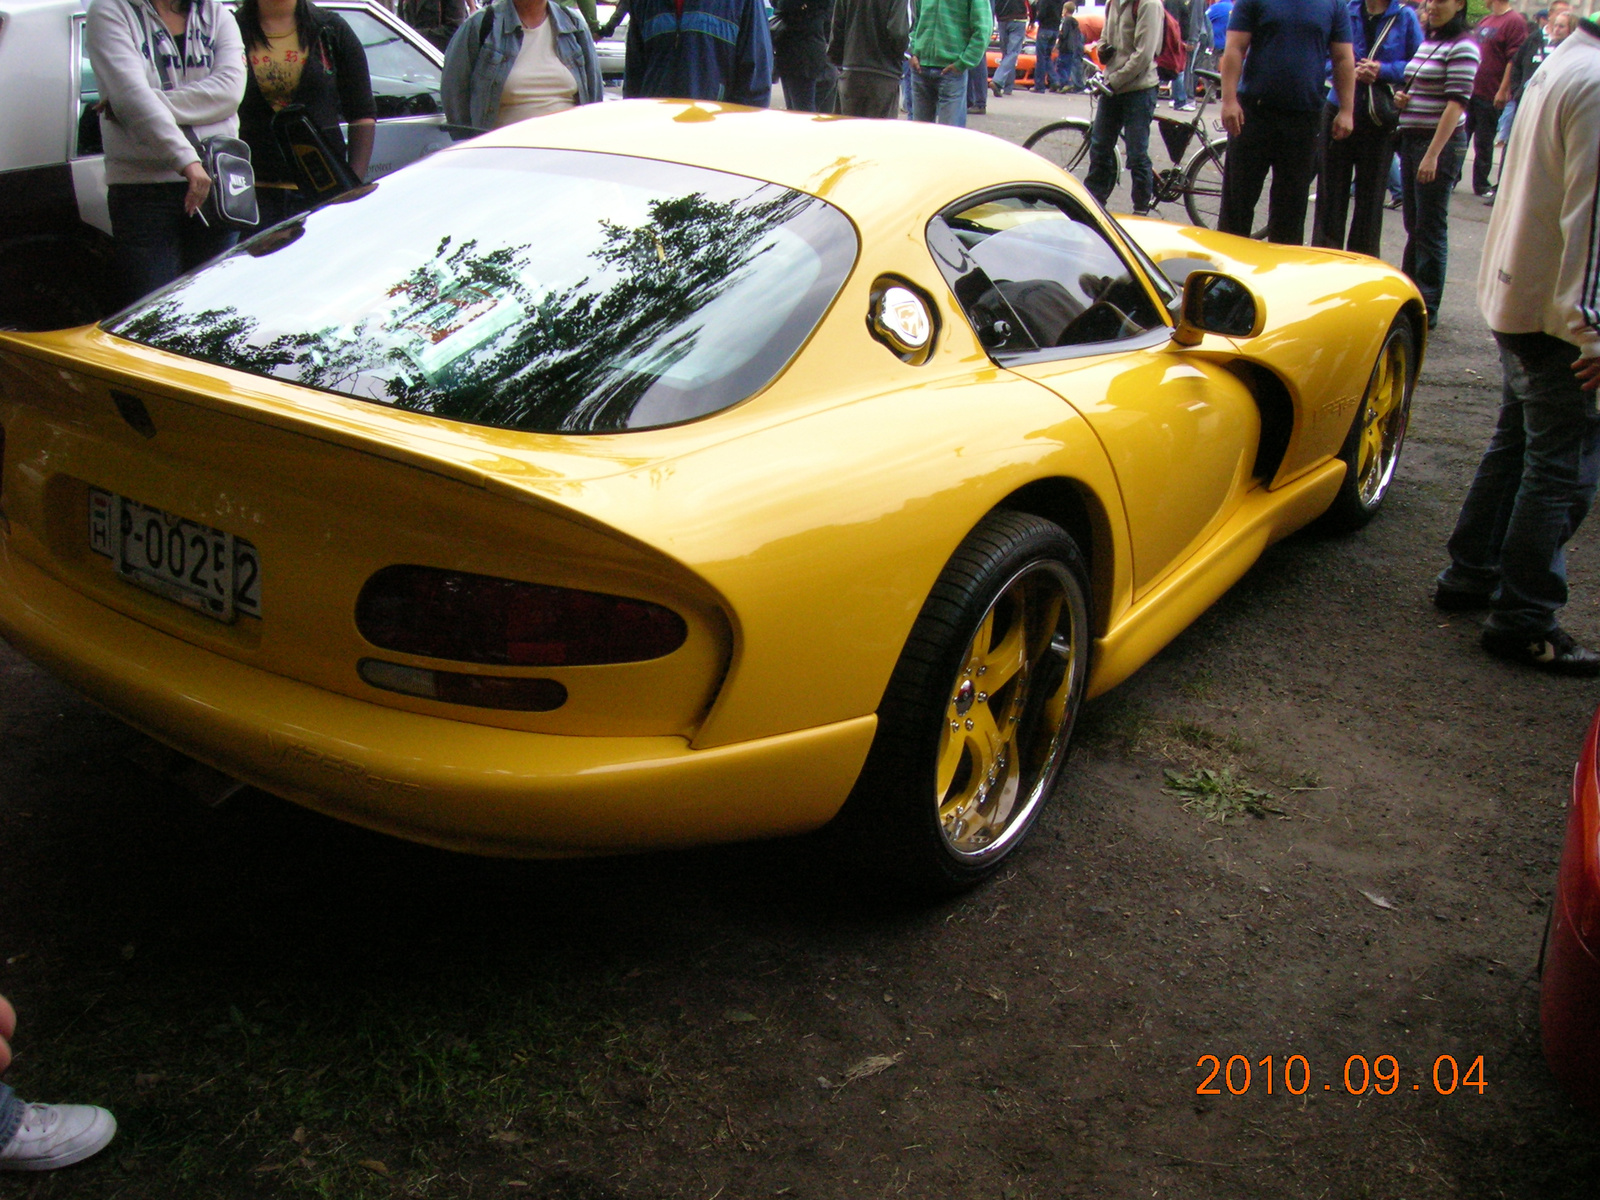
x=318, y=172
x=1375, y=107
x=231, y=203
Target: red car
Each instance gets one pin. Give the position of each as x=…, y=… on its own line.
x=1569, y=1011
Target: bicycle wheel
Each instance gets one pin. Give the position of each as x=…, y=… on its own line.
x=1065, y=143
x=1202, y=188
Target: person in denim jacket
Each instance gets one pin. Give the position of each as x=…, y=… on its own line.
x=516, y=59
x=1368, y=151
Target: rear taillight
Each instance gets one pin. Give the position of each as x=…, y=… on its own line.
x=481, y=619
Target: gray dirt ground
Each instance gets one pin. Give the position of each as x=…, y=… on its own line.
x=274, y=1003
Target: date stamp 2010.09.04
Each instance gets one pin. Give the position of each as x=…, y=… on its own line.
x=1381, y=1076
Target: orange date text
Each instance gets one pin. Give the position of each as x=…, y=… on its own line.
x=1293, y=1076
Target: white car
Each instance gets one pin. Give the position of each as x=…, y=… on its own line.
x=54, y=225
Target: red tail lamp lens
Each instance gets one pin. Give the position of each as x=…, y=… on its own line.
x=481, y=619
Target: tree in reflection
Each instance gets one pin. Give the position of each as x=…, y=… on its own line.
x=467, y=335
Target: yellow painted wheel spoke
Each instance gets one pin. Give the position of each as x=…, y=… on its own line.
x=950, y=754
x=1010, y=656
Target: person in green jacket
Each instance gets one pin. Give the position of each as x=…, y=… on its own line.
x=950, y=37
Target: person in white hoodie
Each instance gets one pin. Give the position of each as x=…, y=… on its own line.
x=163, y=65
x=1539, y=291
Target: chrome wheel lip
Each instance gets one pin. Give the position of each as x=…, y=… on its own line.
x=1373, y=482
x=1072, y=619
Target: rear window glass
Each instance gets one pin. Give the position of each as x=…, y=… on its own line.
x=543, y=290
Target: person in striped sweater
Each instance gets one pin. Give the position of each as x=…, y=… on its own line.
x=1539, y=292
x=1433, y=142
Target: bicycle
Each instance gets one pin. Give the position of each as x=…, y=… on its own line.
x=1195, y=176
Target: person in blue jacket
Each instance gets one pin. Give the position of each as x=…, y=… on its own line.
x=699, y=50
x=1386, y=34
x=1218, y=15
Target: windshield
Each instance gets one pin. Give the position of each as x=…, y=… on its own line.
x=544, y=290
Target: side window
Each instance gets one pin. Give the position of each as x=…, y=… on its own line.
x=405, y=82
x=88, y=139
x=1034, y=274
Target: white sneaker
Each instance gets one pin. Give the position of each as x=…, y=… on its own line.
x=57, y=1135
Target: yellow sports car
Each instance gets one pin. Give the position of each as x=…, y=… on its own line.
x=664, y=473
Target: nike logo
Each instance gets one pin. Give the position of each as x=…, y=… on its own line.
x=237, y=185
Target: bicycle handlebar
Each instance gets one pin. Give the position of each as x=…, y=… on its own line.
x=1208, y=76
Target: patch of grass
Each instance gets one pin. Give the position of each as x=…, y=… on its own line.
x=1201, y=737
x=1305, y=779
x=352, y=1094
x=1218, y=795
x=1197, y=686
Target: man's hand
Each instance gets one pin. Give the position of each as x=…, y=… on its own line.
x=952, y=69
x=1343, y=125
x=1588, y=372
x=199, y=188
x=1502, y=98
x=1233, y=117
x=1367, y=70
x=915, y=65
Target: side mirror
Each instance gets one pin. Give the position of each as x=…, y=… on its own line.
x=1217, y=303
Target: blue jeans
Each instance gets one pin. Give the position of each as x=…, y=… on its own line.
x=1073, y=54
x=10, y=1115
x=1532, y=490
x=1426, y=208
x=1128, y=114
x=939, y=96
x=978, y=88
x=1005, y=75
x=153, y=242
x=1179, y=89
x=1044, y=67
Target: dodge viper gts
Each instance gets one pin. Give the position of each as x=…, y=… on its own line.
x=663, y=473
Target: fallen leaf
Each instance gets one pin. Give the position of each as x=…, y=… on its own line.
x=128, y=952
x=374, y=1166
x=738, y=1016
x=508, y=1135
x=824, y=1081
x=298, y=1137
x=1377, y=900
x=145, y=1082
x=266, y=1167
x=874, y=1065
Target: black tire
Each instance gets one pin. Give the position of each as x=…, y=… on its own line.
x=1202, y=188
x=1377, y=434
x=1065, y=143
x=52, y=282
x=1028, y=576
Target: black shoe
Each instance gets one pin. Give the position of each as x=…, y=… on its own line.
x=1554, y=652
x=1455, y=600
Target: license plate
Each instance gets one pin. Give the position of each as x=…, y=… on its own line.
x=206, y=569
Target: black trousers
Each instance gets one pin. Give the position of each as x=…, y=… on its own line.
x=1284, y=143
x=1343, y=223
x=1483, y=119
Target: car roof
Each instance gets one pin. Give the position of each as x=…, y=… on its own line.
x=874, y=170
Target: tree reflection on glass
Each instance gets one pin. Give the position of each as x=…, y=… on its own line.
x=471, y=334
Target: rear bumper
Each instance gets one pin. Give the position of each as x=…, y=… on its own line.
x=1569, y=1010
x=447, y=783
x=1569, y=990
